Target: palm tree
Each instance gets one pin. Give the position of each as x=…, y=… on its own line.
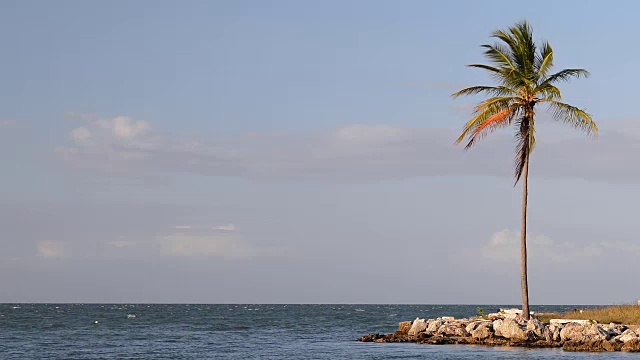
x=522, y=73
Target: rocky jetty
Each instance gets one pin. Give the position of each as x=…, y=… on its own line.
x=509, y=328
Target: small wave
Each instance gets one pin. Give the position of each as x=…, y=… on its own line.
x=131, y=316
x=15, y=307
x=359, y=310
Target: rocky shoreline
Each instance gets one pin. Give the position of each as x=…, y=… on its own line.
x=508, y=328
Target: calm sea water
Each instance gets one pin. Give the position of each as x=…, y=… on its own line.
x=251, y=331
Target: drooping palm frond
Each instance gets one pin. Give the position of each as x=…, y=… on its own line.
x=566, y=75
x=484, y=111
x=489, y=68
x=526, y=141
x=573, y=116
x=494, y=122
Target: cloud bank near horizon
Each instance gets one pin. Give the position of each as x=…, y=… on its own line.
x=123, y=146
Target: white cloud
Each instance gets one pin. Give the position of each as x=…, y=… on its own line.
x=504, y=246
x=225, y=246
x=80, y=135
x=228, y=227
x=122, y=244
x=51, y=249
x=7, y=123
x=621, y=246
x=183, y=227
x=124, y=126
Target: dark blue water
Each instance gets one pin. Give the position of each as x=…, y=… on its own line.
x=91, y=331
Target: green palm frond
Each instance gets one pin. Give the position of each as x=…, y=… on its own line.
x=547, y=92
x=522, y=47
x=573, y=116
x=567, y=74
x=498, y=54
x=491, y=90
x=544, y=60
x=488, y=68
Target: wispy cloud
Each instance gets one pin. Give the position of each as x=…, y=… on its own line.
x=504, y=246
x=204, y=246
x=80, y=135
x=52, y=249
x=353, y=153
x=122, y=244
x=124, y=127
x=228, y=227
x=227, y=246
x=7, y=123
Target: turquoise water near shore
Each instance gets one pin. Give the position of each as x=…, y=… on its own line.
x=247, y=331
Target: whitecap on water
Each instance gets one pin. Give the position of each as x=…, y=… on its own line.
x=131, y=316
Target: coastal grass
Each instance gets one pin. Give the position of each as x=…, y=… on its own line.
x=620, y=314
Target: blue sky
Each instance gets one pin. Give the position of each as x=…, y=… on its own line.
x=290, y=151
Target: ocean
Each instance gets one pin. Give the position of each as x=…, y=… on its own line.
x=234, y=331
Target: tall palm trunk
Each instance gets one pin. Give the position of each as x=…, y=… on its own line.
x=523, y=241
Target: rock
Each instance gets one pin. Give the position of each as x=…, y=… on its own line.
x=554, y=331
x=482, y=332
x=497, y=325
x=616, y=329
x=568, y=321
x=583, y=332
x=572, y=336
x=448, y=318
x=480, y=329
x=627, y=336
x=404, y=326
x=434, y=325
x=511, y=329
x=631, y=346
x=371, y=337
x=511, y=313
x=472, y=325
x=538, y=329
x=592, y=346
x=452, y=330
x=418, y=326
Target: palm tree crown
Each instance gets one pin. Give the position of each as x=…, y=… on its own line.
x=522, y=73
